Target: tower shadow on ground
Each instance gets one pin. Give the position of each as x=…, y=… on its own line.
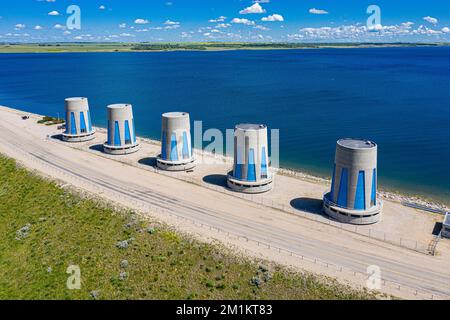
x=437, y=228
x=57, y=137
x=314, y=206
x=96, y=147
x=149, y=161
x=216, y=179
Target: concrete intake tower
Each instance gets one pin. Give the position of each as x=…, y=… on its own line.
x=176, y=143
x=121, y=130
x=78, y=121
x=353, y=196
x=251, y=172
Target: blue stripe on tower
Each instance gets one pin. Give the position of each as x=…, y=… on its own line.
x=251, y=174
x=174, y=150
x=82, y=122
x=73, y=124
x=134, y=130
x=238, y=172
x=342, y=198
x=127, y=133
x=238, y=168
x=264, y=172
x=360, y=197
x=116, y=134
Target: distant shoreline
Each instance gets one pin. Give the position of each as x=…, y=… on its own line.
x=195, y=47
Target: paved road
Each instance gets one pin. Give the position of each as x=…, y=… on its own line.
x=415, y=270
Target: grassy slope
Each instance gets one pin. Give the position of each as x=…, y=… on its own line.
x=200, y=46
x=68, y=230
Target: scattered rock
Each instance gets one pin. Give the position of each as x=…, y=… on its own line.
x=49, y=270
x=263, y=268
x=255, y=282
x=132, y=223
x=151, y=230
x=23, y=232
x=412, y=199
x=134, y=220
x=95, y=294
x=124, y=264
x=123, y=275
x=267, y=277
x=124, y=244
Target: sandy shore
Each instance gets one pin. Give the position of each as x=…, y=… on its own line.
x=283, y=225
x=383, y=194
x=307, y=177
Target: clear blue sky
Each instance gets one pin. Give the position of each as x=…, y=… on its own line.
x=225, y=20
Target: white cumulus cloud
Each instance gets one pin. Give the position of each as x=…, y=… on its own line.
x=243, y=21
x=220, y=19
x=274, y=17
x=431, y=20
x=317, y=11
x=359, y=32
x=141, y=21
x=223, y=25
x=256, y=8
x=171, y=23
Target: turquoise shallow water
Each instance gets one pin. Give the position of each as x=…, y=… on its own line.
x=397, y=97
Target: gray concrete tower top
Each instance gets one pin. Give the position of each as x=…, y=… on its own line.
x=356, y=144
x=175, y=114
x=77, y=104
x=250, y=126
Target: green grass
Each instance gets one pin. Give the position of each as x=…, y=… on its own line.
x=66, y=229
x=188, y=46
x=49, y=121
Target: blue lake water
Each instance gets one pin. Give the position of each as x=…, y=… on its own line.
x=397, y=97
